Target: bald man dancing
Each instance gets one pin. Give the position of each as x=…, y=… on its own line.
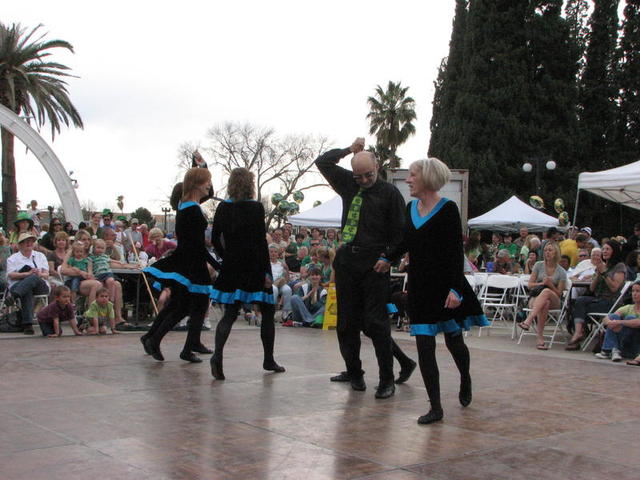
x=372, y=224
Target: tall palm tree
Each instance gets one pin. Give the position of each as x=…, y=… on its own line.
x=390, y=116
x=34, y=86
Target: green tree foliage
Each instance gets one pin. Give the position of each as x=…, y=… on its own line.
x=33, y=85
x=628, y=85
x=144, y=216
x=391, y=116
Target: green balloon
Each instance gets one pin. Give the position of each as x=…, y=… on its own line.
x=294, y=207
x=298, y=197
x=276, y=198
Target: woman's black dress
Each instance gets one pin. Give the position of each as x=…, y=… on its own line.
x=436, y=253
x=239, y=237
x=186, y=267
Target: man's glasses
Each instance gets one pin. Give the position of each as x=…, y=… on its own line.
x=367, y=175
x=57, y=224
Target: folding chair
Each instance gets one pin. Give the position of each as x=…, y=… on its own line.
x=498, y=302
x=597, y=319
x=555, y=317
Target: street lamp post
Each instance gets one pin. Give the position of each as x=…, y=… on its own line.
x=527, y=167
x=165, y=210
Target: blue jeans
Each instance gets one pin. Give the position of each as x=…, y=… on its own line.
x=25, y=289
x=47, y=329
x=627, y=340
x=301, y=313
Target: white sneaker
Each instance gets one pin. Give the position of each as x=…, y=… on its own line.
x=615, y=355
x=603, y=355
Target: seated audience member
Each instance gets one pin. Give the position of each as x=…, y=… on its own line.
x=311, y=260
x=5, y=253
x=27, y=274
x=94, y=228
x=546, y=285
x=325, y=258
x=107, y=221
x=296, y=263
x=68, y=229
x=565, y=262
x=316, y=235
x=57, y=256
x=131, y=235
x=138, y=257
x=146, y=241
x=83, y=237
x=77, y=266
x=587, y=232
x=473, y=247
x=503, y=263
x=58, y=311
x=523, y=233
x=276, y=238
x=508, y=245
x=100, y=312
x=621, y=338
x=332, y=239
x=532, y=259
x=115, y=251
x=280, y=273
x=23, y=224
x=309, y=301
x=493, y=248
x=291, y=252
x=608, y=280
x=47, y=241
x=159, y=245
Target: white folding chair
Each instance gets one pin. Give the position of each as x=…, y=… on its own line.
x=498, y=302
x=555, y=318
x=597, y=319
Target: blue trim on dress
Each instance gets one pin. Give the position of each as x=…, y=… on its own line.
x=391, y=308
x=191, y=287
x=419, y=221
x=219, y=296
x=184, y=205
x=458, y=296
x=449, y=326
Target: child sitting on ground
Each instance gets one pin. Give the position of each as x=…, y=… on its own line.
x=102, y=265
x=99, y=312
x=60, y=310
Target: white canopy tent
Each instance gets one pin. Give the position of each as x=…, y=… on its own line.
x=327, y=214
x=620, y=185
x=512, y=215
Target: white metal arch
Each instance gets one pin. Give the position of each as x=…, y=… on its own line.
x=49, y=161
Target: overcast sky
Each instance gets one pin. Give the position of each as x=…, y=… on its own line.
x=153, y=75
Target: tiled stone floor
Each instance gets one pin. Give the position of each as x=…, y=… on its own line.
x=83, y=408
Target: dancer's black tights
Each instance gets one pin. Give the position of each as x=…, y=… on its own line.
x=429, y=366
x=267, y=328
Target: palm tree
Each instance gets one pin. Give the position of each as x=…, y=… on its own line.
x=390, y=117
x=34, y=86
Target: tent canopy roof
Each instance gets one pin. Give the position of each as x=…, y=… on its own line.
x=620, y=185
x=327, y=214
x=512, y=215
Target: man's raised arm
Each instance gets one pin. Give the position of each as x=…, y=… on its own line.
x=340, y=179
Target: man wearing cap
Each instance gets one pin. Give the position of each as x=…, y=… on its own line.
x=107, y=218
x=590, y=239
x=132, y=234
x=27, y=273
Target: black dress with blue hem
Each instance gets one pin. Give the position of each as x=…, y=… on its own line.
x=434, y=243
x=186, y=266
x=240, y=239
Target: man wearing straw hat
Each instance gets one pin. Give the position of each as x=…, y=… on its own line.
x=27, y=273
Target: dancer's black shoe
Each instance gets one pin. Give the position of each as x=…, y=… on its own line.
x=341, y=377
x=143, y=339
x=385, y=391
x=202, y=350
x=216, y=368
x=405, y=372
x=272, y=366
x=153, y=349
x=434, y=415
x=465, y=393
x=358, y=384
x=189, y=356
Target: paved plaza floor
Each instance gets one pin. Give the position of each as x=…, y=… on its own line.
x=97, y=407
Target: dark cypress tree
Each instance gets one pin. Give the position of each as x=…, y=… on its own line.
x=628, y=85
x=447, y=85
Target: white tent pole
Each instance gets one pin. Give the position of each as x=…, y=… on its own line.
x=575, y=210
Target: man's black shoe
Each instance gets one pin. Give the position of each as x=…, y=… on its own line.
x=341, y=377
x=358, y=384
x=434, y=415
x=385, y=391
x=405, y=372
